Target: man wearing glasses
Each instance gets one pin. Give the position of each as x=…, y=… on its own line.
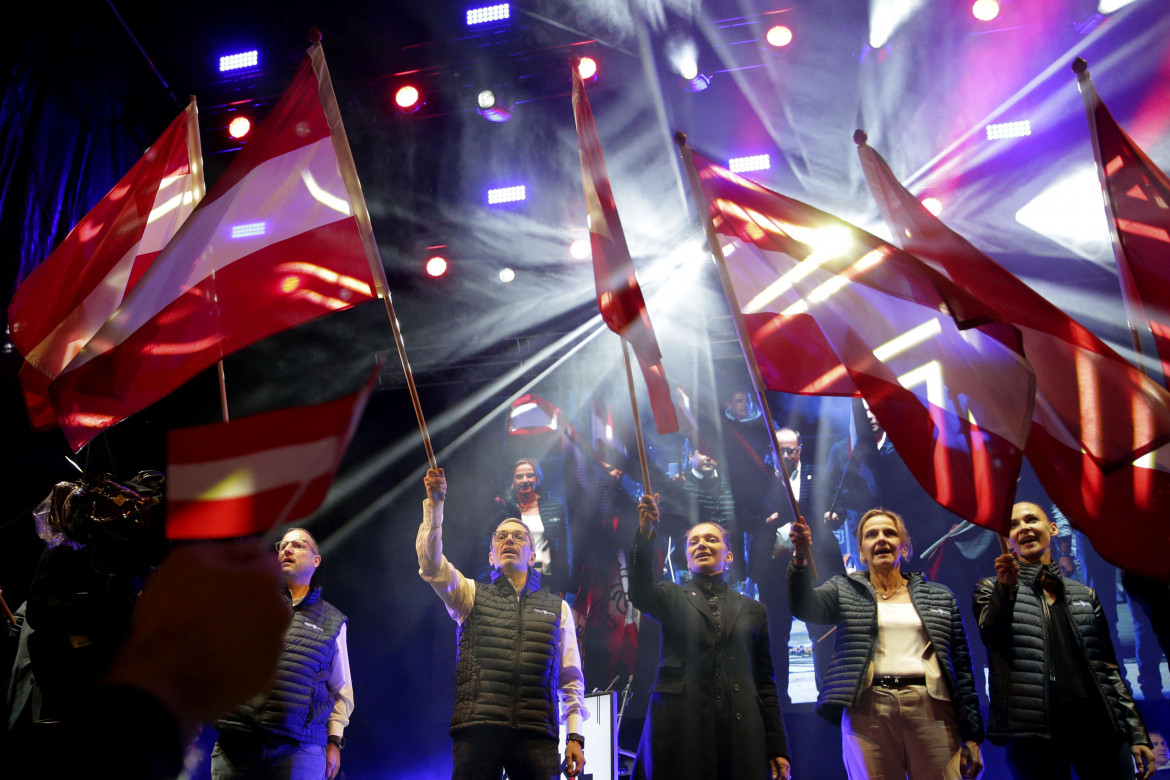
x=518, y=670
x=294, y=731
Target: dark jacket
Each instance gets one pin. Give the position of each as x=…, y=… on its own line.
x=698, y=669
x=507, y=671
x=298, y=704
x=555, y=520
x=1013, y=626
x=850, y=603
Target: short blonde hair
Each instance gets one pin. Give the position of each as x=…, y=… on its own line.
x=903, y=534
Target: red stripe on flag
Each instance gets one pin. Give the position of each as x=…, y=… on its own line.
x=256, y=296
x=229, y=517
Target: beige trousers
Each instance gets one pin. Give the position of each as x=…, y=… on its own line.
x=899, y=733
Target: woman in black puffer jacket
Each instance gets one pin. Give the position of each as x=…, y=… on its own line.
x=900, y=684
x=1057, y=697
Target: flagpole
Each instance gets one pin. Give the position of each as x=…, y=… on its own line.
x=680, y=138
x=365, y=226
x=637, y=419
x=1129, y=296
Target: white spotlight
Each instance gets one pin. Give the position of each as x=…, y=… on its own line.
x=507, y=275
x=580, y=249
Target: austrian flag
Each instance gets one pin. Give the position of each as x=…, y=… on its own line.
x=282, y=238
x=248, y=475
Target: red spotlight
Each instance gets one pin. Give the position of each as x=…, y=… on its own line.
x=779, y=36
x=408, y=98
x=436, y=266
x=239, y=127
x=985, y=10
x=587, y=68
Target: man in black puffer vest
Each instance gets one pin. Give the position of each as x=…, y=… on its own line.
x=294, y=730
x=517, y=664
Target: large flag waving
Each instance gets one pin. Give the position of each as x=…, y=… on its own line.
x=1094, y=413
x=1137, y=196
x=282, y=238
x=618, y=295
x=246, y=476
x=69, y=296
x=858, y=316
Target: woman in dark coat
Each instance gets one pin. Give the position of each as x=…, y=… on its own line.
x=1058, y=701
x=714, y=711
x=900, y=682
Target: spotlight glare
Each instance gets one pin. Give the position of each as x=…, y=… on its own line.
x=408, y=98
x=756, y=162
x=699, y=83
x=688, y=70
x=488, y=13
x=486, y=98
x=436, y=266
x=239, y=127
x=507, y=275
x=249, y=229
x=587, y=68
x=245, y=59
x=779, y=36
x=580, y=249
x=985, y=10
x=1003, y=130
x=933, y=205
x=499, y=195
x=1106, y=7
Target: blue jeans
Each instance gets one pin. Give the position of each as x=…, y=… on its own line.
x=244, y=757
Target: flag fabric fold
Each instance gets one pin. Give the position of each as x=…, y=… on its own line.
x=282, y=238
x=1137, y=198
x=245, y=476
x=618, y=295
x=69, y=296
x=830, y=308
x=1095, y=413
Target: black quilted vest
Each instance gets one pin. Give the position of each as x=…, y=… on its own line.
x=298, y=704
x=507, y=668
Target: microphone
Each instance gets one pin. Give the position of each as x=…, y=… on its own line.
x=609, y=687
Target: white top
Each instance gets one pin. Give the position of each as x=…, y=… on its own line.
x=901, y=641
x=458, y=594
x=531, y=518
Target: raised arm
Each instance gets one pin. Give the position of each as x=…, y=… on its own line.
x=812, y=605
x=995, y=602
x=642, y=591
x=456, y=591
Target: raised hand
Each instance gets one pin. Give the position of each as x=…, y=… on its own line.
x=436, y=484
x=648, y=514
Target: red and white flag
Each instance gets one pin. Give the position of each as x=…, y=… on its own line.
x=282, y=238
x=1095, y=413
x=1137, y=197
x=618, y=295
x=69, y=296
x=248, y=475
x=945, y=380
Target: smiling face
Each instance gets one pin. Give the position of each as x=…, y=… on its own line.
x=1031, y=533
x=707, y=551
x=511, y=547
x=524, y=480
x=882, y=541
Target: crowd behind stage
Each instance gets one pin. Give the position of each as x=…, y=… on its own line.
x=908, y=607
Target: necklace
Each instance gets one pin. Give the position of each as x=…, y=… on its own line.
x=890, y=595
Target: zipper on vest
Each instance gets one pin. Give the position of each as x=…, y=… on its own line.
x=518, y=657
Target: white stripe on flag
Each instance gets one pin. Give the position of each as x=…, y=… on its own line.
x=246, y=475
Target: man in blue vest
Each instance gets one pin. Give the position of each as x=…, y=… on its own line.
x=518, y=670
x=294, y=730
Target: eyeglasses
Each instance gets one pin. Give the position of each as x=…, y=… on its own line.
x=503, y=536
x=296, y=544
x=789, y=450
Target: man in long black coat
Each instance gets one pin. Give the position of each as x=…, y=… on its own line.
x=714, y=712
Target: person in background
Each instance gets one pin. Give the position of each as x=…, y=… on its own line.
x=903, y=694
x=1161, y=752
x=1058, y=701
x=547, y=521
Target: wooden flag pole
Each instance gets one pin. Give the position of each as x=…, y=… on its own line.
x=680, y=139
x=361, y=213
x=637, y=419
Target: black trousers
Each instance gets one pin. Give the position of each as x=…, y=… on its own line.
x=1082, y=739
x=484, y=752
